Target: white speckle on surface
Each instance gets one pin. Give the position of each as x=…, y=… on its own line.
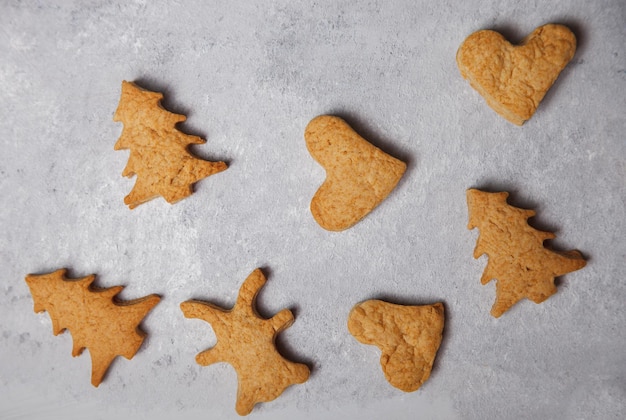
x=250, y=77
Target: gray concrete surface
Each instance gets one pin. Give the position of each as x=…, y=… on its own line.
x=249, y=76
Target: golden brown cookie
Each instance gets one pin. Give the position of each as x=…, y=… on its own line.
x=159, y=154
x=246, y=341
x=518, y=260
x=514, y=79
x=358, y=175
x=96, y=319
x=408, y=337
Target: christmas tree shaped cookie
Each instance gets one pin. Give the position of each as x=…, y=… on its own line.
x=159, y=154
x=518, y=260
x=97, y=320
x=246, y=341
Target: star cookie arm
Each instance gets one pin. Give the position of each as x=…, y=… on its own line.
x=282, y=320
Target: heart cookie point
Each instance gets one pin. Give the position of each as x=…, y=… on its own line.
x=359, y=176
x=513, y=79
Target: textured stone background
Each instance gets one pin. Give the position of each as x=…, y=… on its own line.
x=250, y=77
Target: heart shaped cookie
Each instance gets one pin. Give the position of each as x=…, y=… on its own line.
x=513, y=79
x=358, y=175
x=407, y=336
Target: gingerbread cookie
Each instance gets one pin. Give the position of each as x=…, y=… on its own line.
x=514, y=79
x=408, y=337
x=159, y=154
x=246, y=341
x=518, y=260
x=96, y=319
x=359, y=176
